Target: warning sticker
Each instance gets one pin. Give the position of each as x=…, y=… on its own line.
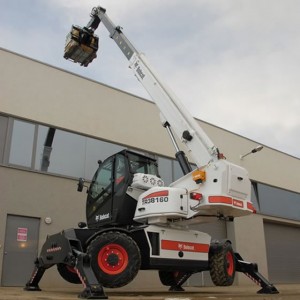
x=22, y=234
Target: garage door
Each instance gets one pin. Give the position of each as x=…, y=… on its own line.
x=217, y=230
x=283, y=244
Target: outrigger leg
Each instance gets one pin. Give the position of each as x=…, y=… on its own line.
x=60, y=248
x=93, y=290
x=251, y=270
x=180, y=279
x=37, y=274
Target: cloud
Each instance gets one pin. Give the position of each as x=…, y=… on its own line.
x=246, y=75
x=233, y=63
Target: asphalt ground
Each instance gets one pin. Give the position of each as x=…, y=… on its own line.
x=287, y=292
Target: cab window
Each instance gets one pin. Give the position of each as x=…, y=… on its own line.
x=140, y=164
x=102, y=180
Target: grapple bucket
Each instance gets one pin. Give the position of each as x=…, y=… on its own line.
x=81, y=46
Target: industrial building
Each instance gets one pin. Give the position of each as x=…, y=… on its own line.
x=92, y=121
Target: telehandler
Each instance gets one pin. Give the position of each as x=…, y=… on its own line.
x=134, y=222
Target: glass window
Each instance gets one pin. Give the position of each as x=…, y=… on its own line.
x=65, y=155
x=165, y=170
x=254, y=195
x=21, y=149
x=102, y=180
x=142, y=164
x=97, y=150
x=44, y=144
x=121, y=176
x=170, y=170
x=278, y=202
x=70, y=154
x=100, y=190
x=145, y=153
x=3, y=129
x=177, y=170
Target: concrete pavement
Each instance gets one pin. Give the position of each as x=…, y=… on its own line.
x=287, y=292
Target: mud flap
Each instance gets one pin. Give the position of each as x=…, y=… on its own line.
x=251, y=270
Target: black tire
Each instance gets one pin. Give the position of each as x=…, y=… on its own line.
x=115, y=259
x=68, y=273
x=222, y=265
x=171, y=278
x=167, y=278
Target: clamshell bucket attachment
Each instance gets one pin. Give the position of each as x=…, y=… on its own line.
x=81, y=45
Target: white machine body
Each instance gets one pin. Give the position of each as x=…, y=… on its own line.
x=175, y=243
x=225, y=193
x=223, y=190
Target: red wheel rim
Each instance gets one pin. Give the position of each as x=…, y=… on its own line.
x=230, y=263
x=112, y=259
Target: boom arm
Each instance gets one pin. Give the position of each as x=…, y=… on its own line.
x=173, y=113
x=226, y=194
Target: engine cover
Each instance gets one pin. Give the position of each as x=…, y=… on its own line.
x=159, y=204
x=146, y=181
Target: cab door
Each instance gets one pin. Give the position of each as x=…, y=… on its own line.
x=106, y=202
x=99, y=200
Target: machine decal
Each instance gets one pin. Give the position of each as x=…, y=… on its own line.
x=102, y=217
x=139, y=71
x=238, y=203
x=220, y=199
x=184, y=246
x=228, y=200
x=156, y=197
x=54, y=249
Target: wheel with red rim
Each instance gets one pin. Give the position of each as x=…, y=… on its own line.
x=115, y=258
x=222, y=264
x=230, y=263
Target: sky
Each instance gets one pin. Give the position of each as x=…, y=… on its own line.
x=233, y=63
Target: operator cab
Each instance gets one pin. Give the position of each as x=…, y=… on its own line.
x=108, y=201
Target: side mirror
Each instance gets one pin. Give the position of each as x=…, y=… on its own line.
x=80, y=184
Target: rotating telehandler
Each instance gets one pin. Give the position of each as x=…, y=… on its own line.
x=134, y=222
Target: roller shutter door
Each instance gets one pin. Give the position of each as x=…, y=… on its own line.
x=283, y=248
x=217, y=230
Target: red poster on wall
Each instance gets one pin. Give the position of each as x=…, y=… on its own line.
x=22, y=234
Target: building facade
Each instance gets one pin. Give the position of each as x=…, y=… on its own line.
x=90, y=121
